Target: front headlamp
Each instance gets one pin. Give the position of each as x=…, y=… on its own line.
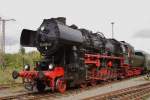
x=27, y=67
x=50, y=66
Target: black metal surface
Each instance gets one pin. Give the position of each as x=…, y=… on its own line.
x=28, y=38
x=15, y=74
x=54, y=33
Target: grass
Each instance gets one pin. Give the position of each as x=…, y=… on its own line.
x=6, y=76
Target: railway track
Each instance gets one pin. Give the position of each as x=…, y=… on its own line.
x=3, y=87
x=55, y=95
x=131, y=93
x=6, y=86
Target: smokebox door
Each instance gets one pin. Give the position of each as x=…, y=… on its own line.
x=28, y=38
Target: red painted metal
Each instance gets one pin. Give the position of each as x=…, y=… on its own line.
x=103, y=73
x=102, y=56
x=61, y=85
x=125, y=70
x=28, y=74
x=95, y=59
x=92, y=59
x=134, y=71
x=50, y=75
x=57, y=72
x=109, y=64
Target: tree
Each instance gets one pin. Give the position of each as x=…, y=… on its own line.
x=22, y=50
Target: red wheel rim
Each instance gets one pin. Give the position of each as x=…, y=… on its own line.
x=93, y=82
x=61, y=85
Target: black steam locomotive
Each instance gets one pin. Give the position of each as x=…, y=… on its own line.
x=77, y=57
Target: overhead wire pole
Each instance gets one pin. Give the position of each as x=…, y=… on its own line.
x=3, y=37
x=1, y=57
x=3, y=31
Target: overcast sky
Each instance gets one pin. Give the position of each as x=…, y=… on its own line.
x=131, y=17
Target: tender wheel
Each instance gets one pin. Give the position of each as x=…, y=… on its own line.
x=61, y=85
x=83, y=85
x=40, y=86
x=93, y=82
